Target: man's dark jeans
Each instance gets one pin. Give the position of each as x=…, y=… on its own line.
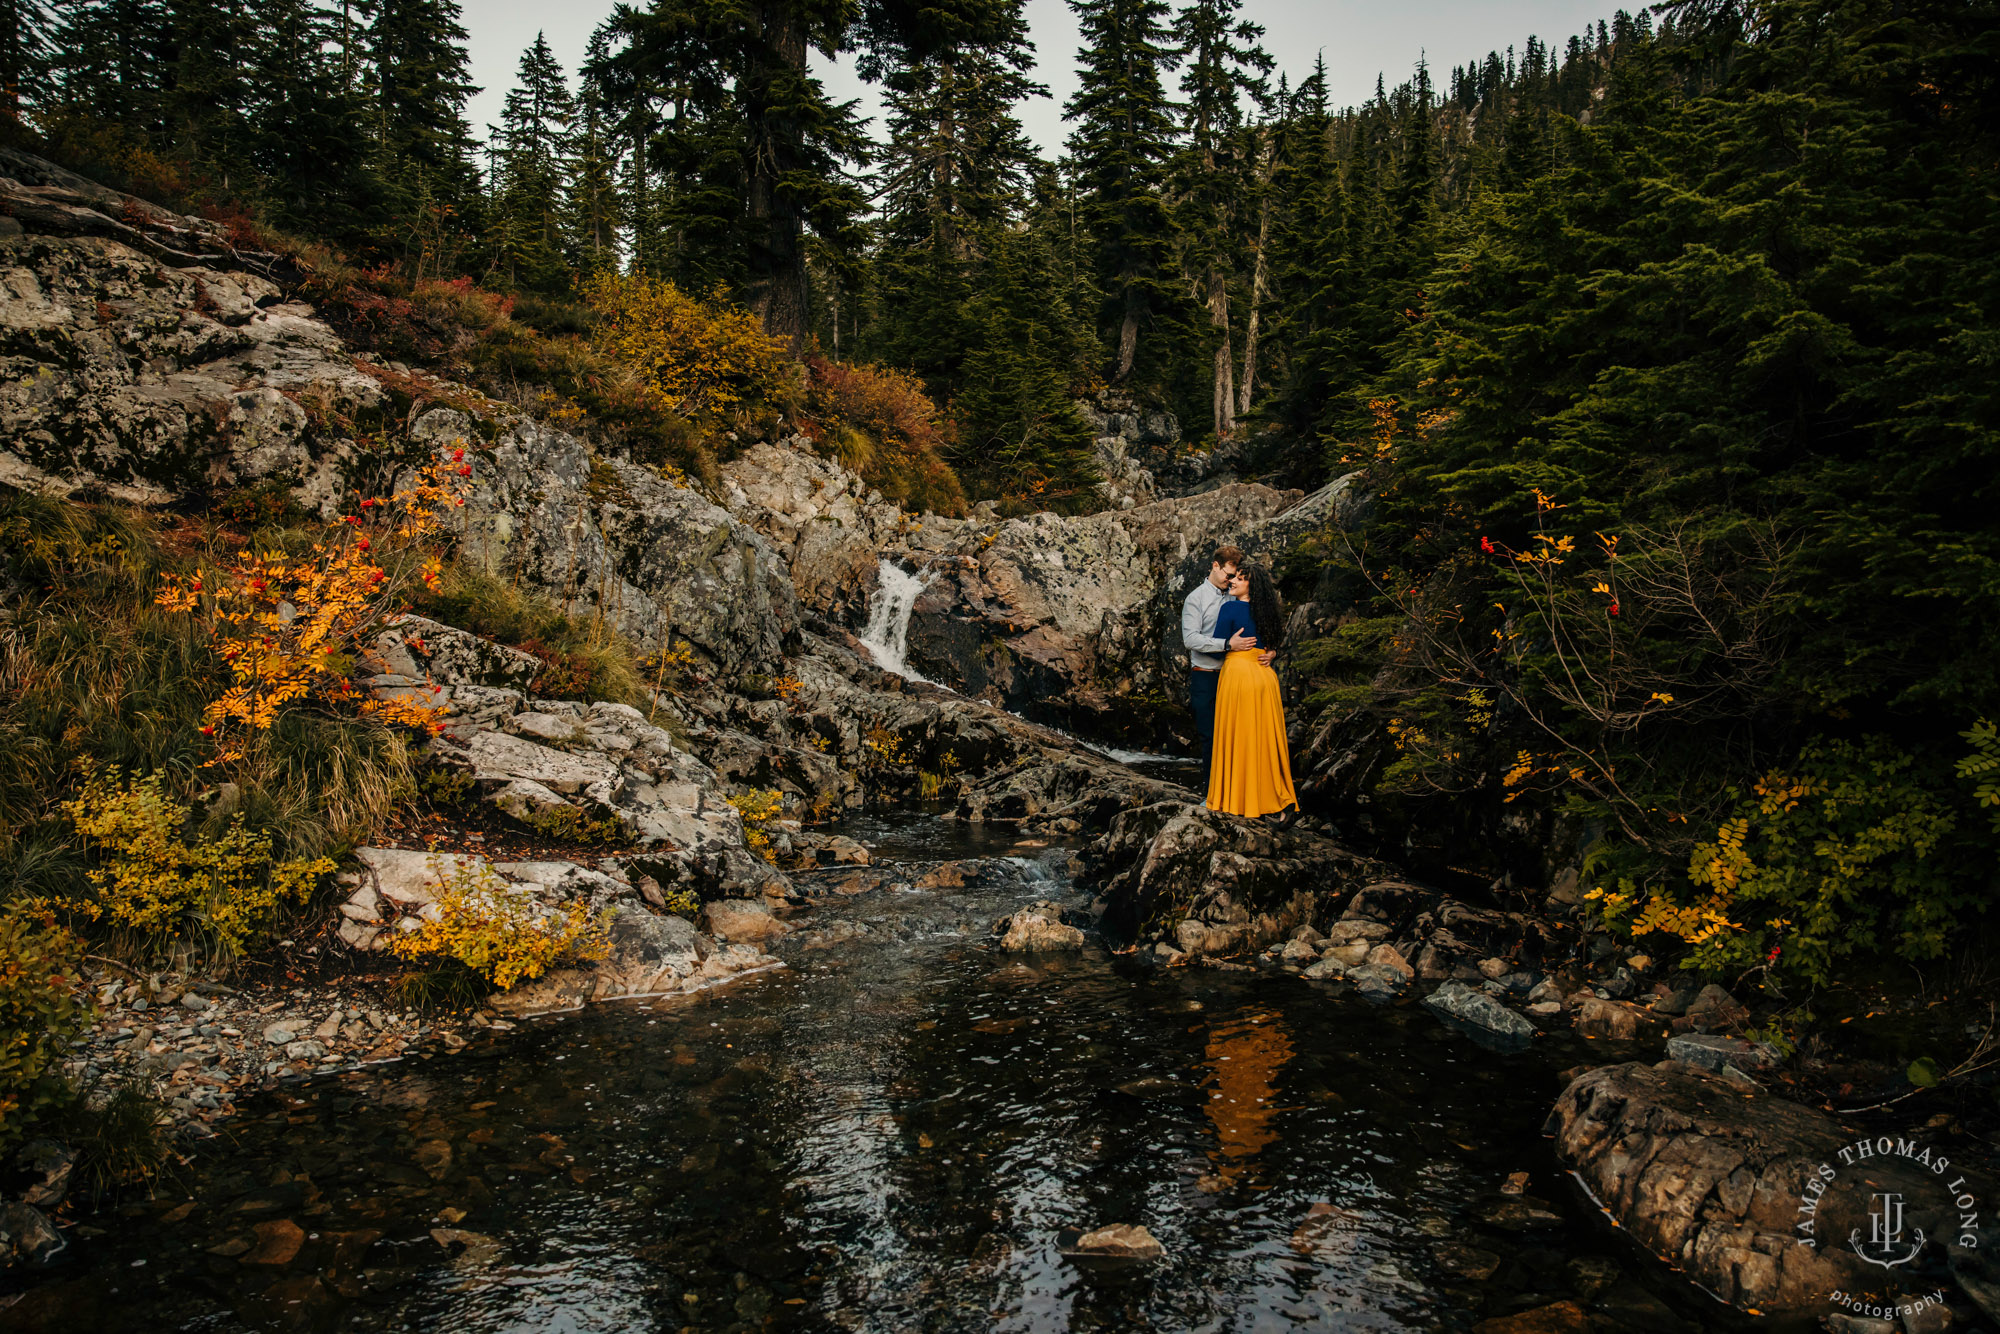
x=1201, y=699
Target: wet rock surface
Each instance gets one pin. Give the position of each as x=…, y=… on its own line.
x=1710, y=1176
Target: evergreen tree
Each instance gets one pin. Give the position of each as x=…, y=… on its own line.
x=1216, y=175
x=1019, y=429
x=754, y=153
x=531, y=177
x=24, y=55
x=955, y=167
x=1122, y=145
x=593, y=204
x=416, y=82
x=306, y=126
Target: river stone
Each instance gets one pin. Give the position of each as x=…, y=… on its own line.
x=1039, y=928
x=1708, y=1174
x=1714, y=1008
x=1712, y=1051
x=1390, y=959
x=1600, y=1018
x=1559, y=1318
x=27, y=1234
x=52, y=1163
x=1328, y=969
x=1377, y=981
x=742, y=919
x=1456, y=1000
x=1348, y=931
x=1122, y=1241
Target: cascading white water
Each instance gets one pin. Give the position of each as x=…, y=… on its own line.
x=887, y=635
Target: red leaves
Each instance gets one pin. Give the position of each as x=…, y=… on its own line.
x=465, y=470
x=1613, y=609
x=1486, y=545
x=457, y=456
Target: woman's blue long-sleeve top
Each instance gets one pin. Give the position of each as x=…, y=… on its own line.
x=1234, y=616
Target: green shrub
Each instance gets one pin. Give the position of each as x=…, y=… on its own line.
x=1851, y=850
x=42, y=1007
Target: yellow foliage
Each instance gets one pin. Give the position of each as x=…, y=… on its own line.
x=152, y=880
x=289, y=627
x=499, y=931
x=758, y=808
x=693, y=356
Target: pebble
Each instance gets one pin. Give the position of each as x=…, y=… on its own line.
x=199, y=1068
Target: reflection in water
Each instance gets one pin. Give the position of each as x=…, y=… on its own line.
x=1244, y=1057
x=892, y=1134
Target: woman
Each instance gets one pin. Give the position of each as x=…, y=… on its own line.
x=1252, y=770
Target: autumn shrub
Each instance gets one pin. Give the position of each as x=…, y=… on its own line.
x=1853, y=849
x=693, y=357
x=881, y=424
x=151, y=879
x=43, y=1007
x=501, y=932
x=290, y=626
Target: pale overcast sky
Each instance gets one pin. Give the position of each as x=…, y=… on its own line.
x=1361, y=39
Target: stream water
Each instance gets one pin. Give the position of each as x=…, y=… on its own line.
x=902, y=1130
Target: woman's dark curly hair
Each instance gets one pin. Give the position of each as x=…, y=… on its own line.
x=1266, y=607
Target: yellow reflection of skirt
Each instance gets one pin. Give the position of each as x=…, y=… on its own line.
x=1252, y=771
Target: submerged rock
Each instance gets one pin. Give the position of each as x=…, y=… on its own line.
x=1456, y=1000
x=1120, y=1241
x=1039, y=928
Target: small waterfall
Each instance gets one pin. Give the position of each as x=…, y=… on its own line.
x=887, y=635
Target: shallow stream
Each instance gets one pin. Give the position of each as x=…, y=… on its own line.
x=902, y=1130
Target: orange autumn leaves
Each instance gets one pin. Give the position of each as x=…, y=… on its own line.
x=290, y=625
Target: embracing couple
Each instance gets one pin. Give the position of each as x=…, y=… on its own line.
x=1231, y=626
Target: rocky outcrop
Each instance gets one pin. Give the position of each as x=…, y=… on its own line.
x=616, y=539
x=1052, y=615
x=152, y=384
x=1722, y=1182
x=1210, y=885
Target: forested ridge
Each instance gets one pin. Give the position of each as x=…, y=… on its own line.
x=1666, y=352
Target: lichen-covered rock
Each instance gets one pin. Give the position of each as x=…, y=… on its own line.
x=424, y=651
x=148, y=380
x=615, y=538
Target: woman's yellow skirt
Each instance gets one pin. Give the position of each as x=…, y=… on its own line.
x=1251, y=773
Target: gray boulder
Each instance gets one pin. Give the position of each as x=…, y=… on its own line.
x=1478, y=1012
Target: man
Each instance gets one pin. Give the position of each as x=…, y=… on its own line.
x=1205, y=651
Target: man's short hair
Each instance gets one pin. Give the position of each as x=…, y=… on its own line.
x=1229, y=556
